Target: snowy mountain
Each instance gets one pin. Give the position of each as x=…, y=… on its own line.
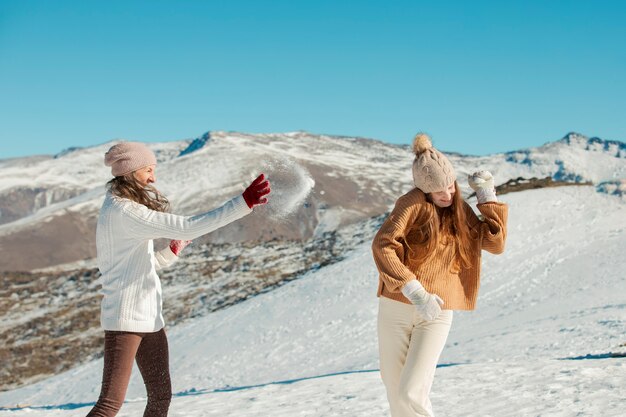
x=547, y=338
x=49, y=204
x=574, y=158
x=290, y=317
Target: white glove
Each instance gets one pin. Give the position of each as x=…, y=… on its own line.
x=428, y=305
x=482, y=183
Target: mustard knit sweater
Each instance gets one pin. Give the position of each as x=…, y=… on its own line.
x=396, y=241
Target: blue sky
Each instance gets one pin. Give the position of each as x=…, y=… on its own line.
x=479, y=76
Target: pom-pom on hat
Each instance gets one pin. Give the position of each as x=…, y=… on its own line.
x=432, y=171
x=126, y=157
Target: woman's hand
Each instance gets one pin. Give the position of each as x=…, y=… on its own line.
x=428, y=305
x=482, y=183
x=176, y=246
x=254, y=194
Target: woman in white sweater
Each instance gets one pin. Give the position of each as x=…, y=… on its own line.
x=132, y=215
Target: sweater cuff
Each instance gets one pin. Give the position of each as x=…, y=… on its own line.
x=168, y=255
x=241, y=207
x=410, y=287
x=164, y=258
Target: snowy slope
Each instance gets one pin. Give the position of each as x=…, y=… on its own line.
x=539, y=388
x=551, y=310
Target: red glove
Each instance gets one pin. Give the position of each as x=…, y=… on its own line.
x=178, y=245
x=255, y=192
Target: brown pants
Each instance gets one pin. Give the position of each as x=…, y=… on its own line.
x=151, y=352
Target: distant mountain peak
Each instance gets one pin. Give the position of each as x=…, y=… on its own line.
x=614, y=147
x=67, y=151
x=196, y=144
x=573, y=137
x=594, y=144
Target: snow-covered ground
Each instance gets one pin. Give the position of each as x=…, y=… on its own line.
x=540, y=388
x=545, y=340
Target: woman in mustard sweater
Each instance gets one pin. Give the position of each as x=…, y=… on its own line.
x=428, y=256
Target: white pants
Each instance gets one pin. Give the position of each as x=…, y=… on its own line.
x=409, y=349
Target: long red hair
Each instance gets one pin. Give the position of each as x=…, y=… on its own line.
x=436, y=225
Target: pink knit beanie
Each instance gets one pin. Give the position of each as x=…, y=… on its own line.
x=432, y=171
x=126, y=157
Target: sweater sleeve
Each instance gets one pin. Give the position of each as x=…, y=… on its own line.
x=387, y=247
x=493, y=227
x=164, y=258
x=144, y=223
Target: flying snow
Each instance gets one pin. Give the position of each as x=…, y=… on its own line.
x=291, y=184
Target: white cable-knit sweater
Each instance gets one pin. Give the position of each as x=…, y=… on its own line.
x=126, y=259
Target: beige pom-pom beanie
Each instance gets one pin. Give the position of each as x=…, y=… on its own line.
x=432, y=171
x=126, y=157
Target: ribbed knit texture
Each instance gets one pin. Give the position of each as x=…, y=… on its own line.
x=131, y=288
x=126, y=157
x=392, y=248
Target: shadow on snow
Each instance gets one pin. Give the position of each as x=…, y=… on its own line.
x=193, y=391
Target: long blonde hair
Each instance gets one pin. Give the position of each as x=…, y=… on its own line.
x=128, y=187
x=437, y=224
